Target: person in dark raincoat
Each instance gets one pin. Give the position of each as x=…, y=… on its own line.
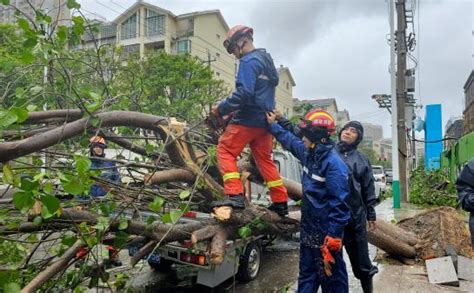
x=361, y=200
x=465, y=187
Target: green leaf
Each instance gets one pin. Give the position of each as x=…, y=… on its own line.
x=29, y=185
x=11, y=287
x=23, y=200
x=48, y=188
x=30, y=42
x=121, y=239
x=21, y=114
x=45, y=212
x=149, y=149
x=175, y=215
x=95, y=96
x=78, y=20
x=47, y=19
x=36, y=89
x=19, y=92
x=7, y=118
x=7, y=174
x=23, y=24
x=74, y=187
x=5, y=2
x=184, y=194
x=82, y=164
x=123, y=224
x=93, y=106
x=62, y=33
x=102, y=223
x=150, y=220
x=244, y=232
x=37, y=220
x=71, y=4
x=68, y=239
x=51, y=203
x=166, y=218
x=31, y=108
x=156, y=204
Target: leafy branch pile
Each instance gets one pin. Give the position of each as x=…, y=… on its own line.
x=432, y=188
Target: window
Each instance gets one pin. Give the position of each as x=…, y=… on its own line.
x=130, y=50
x=107, y=31
x=155, y=23
x=184, y=46
x=218, y=54
x=129, y=28
x=218, y=36
x=287, y=85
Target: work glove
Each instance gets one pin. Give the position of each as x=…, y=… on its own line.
x=328, y=260
x=333, y=244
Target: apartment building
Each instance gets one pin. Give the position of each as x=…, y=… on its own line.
x=144, y=28
x=56, y=9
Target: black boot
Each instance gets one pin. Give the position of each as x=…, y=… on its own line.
x=367, y=285
x=281, y=208
x=234, y=201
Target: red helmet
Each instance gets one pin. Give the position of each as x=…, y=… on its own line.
x=235, y=34
x=317, y=124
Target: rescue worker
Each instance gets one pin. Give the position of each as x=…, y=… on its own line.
x=110, y=173
x=253, y=96
x=465, y=187
x=108, y=169
x=361, y=200
x=324, y=211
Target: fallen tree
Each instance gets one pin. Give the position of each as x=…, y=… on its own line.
x=184, y=170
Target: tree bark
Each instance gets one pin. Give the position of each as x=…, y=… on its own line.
x=218, y=245
x=390, y=244
x=16, y=149
x=144, y=250
x=172, y=175
x=35, y=117
x=397, y=233
x=204, y=233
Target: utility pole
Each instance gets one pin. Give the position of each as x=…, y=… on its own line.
x=401, y=99
x=396, y=181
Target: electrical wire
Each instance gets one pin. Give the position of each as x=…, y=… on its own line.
x=431, y=141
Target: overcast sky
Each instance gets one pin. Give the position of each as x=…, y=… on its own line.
x=338, y=48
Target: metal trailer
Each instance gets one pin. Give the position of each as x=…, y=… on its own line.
x=242, y=257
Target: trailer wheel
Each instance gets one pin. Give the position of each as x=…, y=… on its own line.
x=249, y=264
x=164, y=266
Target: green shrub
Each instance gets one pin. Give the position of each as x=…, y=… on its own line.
x=432, y=188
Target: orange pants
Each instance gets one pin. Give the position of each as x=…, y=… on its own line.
x=231, y=144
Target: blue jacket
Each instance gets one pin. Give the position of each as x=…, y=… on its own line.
x=109, y=172
x=324, y=210
x=254, y=93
